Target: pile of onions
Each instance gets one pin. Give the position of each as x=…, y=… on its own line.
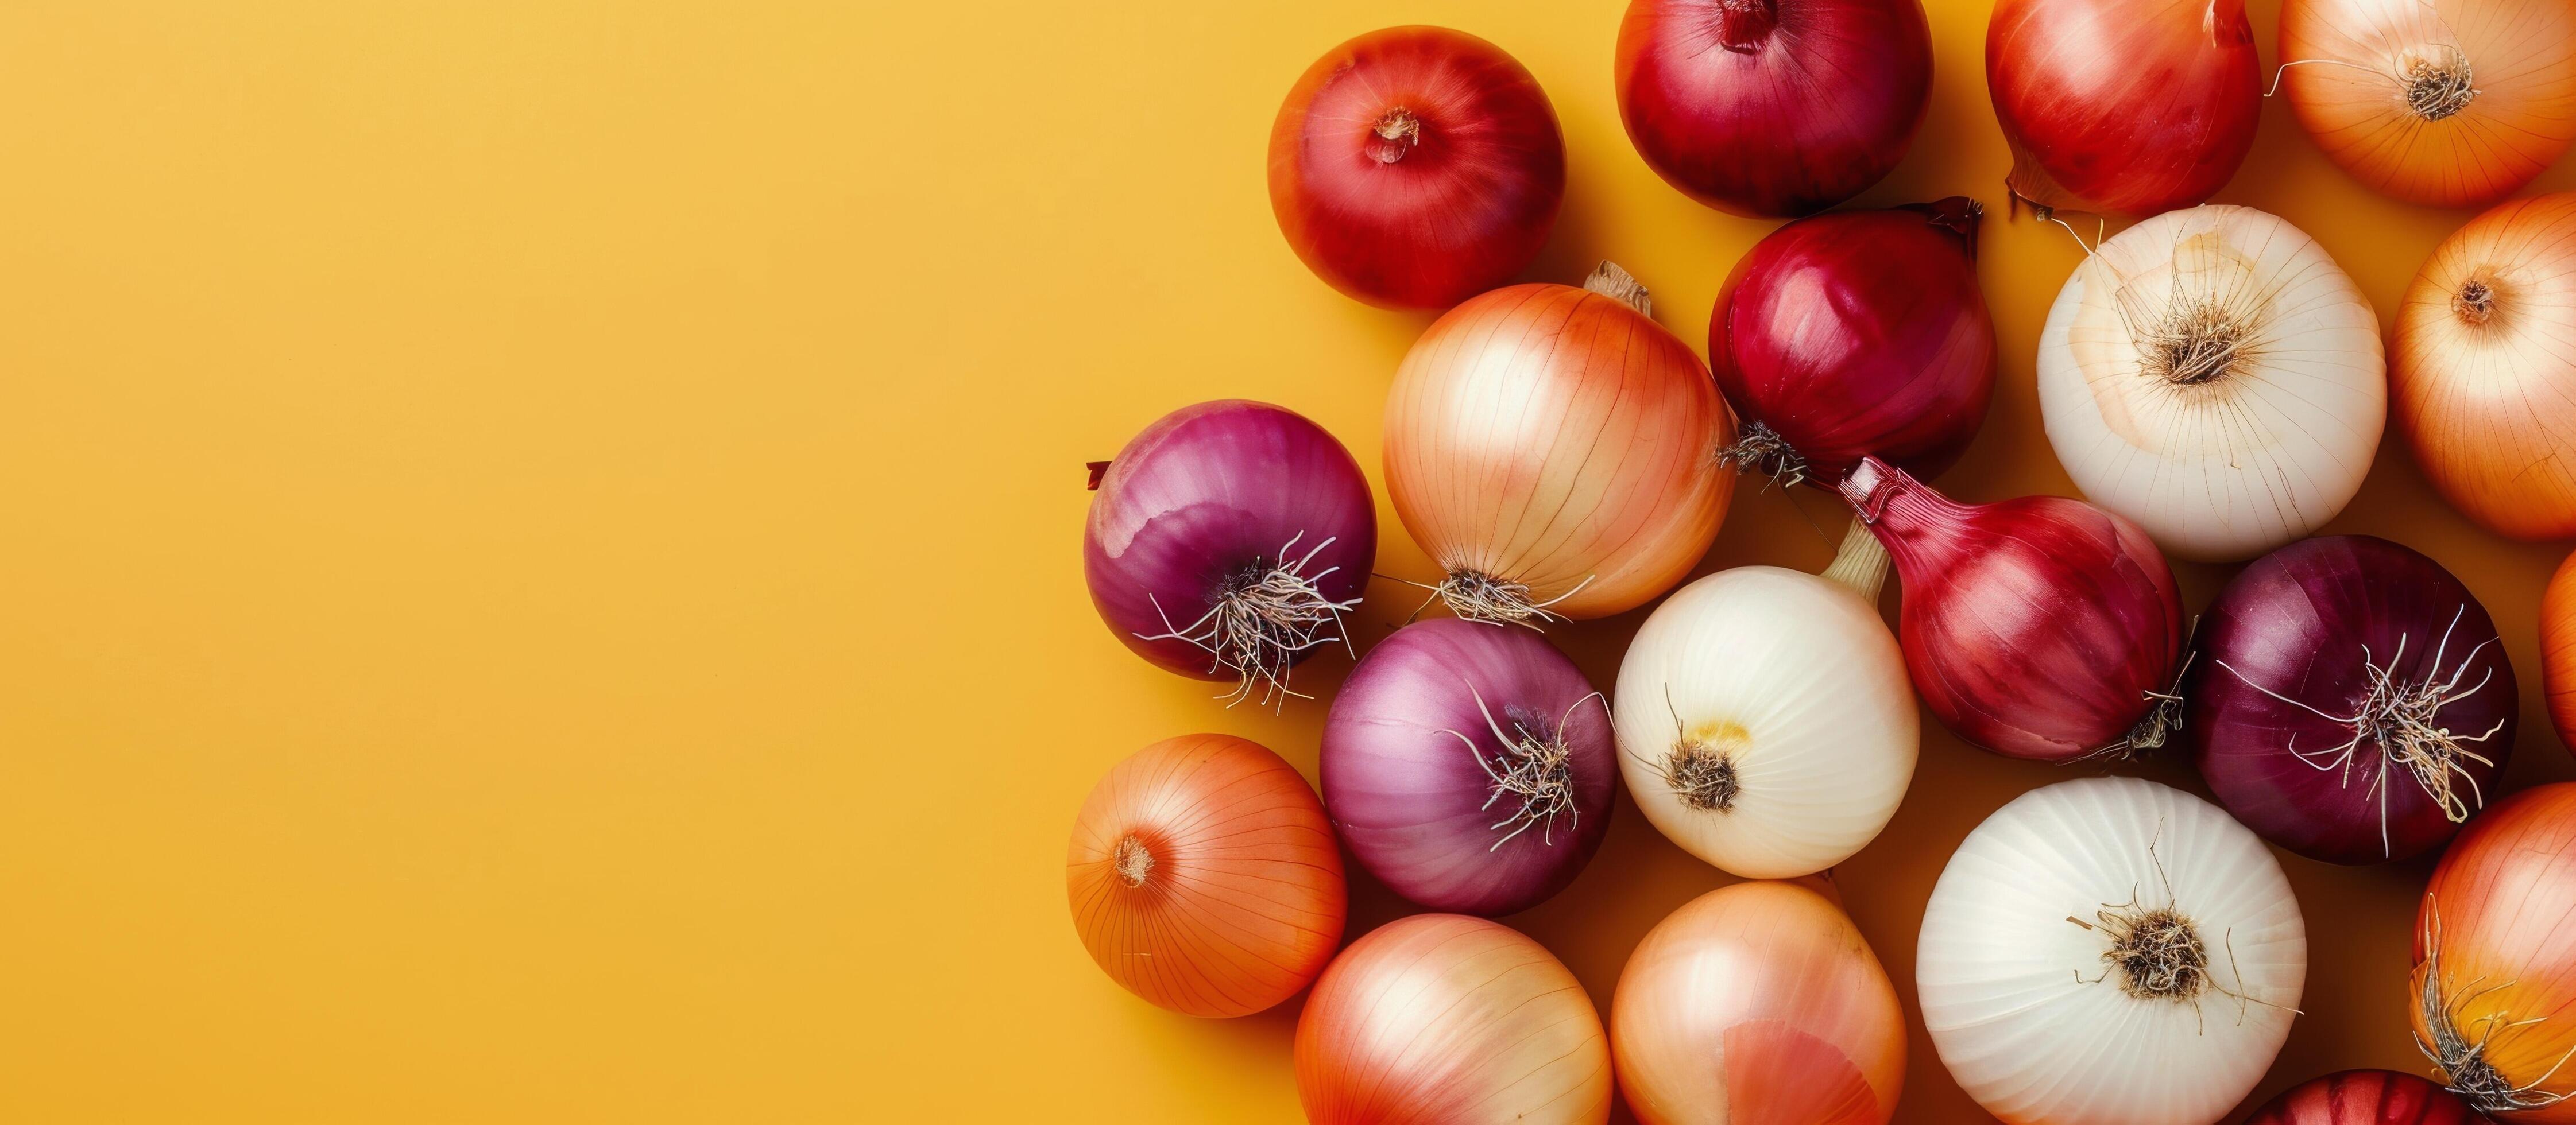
x=1758, y=1002
x=1416, y=166
x=2111, y=951
x=2483, y=362
x=1857, y=333
x=2212, y=375
x=2558, y=649
x=1437, y=1017
x=2349, y=700
x=2365, y=1097
x=1763, y=719
x=2495, y=960
x=1556, y=451
x=2040, y=627
x=2452, y=103
x=2126, y=106
x=1203, y=877
x=1470, y=768
x=1773, y=107
x=1227, y=540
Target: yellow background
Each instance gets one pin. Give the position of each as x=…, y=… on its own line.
x=538, y=542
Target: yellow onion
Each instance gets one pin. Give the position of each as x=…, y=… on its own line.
x=2495, y=959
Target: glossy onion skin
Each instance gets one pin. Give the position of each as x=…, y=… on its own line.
x=1461, y=209
x=2365, y=1097
x=1411, y=801
x=1778, y=107
x=2521, y=56
x=1861, y=333
x=2558, y=649
x=2492, y=944
x=1439, y=1017
x=1244, y=900
x=2123, y=106
x=1757, y=1002
x=2299, y=621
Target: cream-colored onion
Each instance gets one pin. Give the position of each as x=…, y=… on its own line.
x=2214, y=376
x=2044, y=1013
x=1765, y=723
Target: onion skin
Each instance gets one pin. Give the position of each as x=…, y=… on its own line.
x=2365, y=1097
x=1773, y=107
x=1235, y=900
x=2496, y=961
x=2558, y=649
x=1418, y=808
x=1414, y=167
x=1861, y=333
x=2301, y=622
x=2123, y=106
x=1444, y=1018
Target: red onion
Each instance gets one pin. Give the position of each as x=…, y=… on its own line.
x=2041, y=627
x=1857, y=333
x=2365, y=1097
x=1469, y=766
x=1226, y=541
x=1415, y=167
x=1773, y=107
x=2350, y=700
x=2128, y=106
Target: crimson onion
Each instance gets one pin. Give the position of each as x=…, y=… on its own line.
x=1857, y=333
x=2350, y=700
x=2127, y=106
x=2040, y=627
x=1226, y=541
x=2365, y=1097
x=1469, y=766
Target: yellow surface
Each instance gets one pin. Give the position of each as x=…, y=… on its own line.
x=538, y=542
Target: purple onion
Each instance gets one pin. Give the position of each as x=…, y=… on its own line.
x=1469, y=766
x=2350, y=700
x=1226, y=542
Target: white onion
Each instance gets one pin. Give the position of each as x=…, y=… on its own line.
x=1765, y=723
x=2018, y=989
x=2214, y=376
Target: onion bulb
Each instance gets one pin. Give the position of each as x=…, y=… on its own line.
x=2212, y=375
x=2495, y=960
x=2110, y=951
x=2126, y=106
x=2365, y=1097
x=2558, y=649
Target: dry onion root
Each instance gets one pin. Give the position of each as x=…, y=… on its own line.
x=2495, y=978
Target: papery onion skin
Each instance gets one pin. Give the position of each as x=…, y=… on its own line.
x=1203, y=877
x=2365, y=1097
x=1758, y=1002
x=2217, y=462
x=1773, y=107
x=1439, y=1017
x=1423, y=811
x=2287, y=649
x=2558, y=649
x=2483, y=361
x=2123, y=106
x=1559, y=441
x=1860, y=333
x=1414, y=167
x=2495, y=960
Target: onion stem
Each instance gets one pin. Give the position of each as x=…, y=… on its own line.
x=1860, y=564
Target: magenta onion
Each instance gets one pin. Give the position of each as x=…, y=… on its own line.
x=1227, y=540
x=2365, y=1097
x=2349, y=700
x=2040, y=627
x=1469, y=766
x=1857, y=334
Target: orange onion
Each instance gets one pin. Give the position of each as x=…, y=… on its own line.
x=1442, y=1017
x=2495, y=959
x=2482, y=368
x=2558, y=649
x=1555, y=451
x=1758, y=1002
x=1204, y=878
x=2453, y=103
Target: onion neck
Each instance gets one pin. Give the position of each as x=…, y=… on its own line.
x=1860, y=564
x=2475, y=301
x=1133, y=859
x=1904, y=514
x=1619, y=285
x=1742, y=25
x=1396, y=133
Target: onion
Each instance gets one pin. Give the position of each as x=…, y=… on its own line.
x=2127, y=106
x=1416, y=166
x=1469, y=767
x=2349, y=700
x=2483, y=362
x=2037, y=628
x=2214, y=376
x=1857, y=333
x=2495, y=960
x=1555, y=451
x=2453, y=103
x=1758, y=1002
x=2365, y=1097
x=1203, y=877
x=1773, y=107
x=2558, y=649
x=1227, y=540
x=1442, y=1018
x=2110, y=951
x=1763, y=719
